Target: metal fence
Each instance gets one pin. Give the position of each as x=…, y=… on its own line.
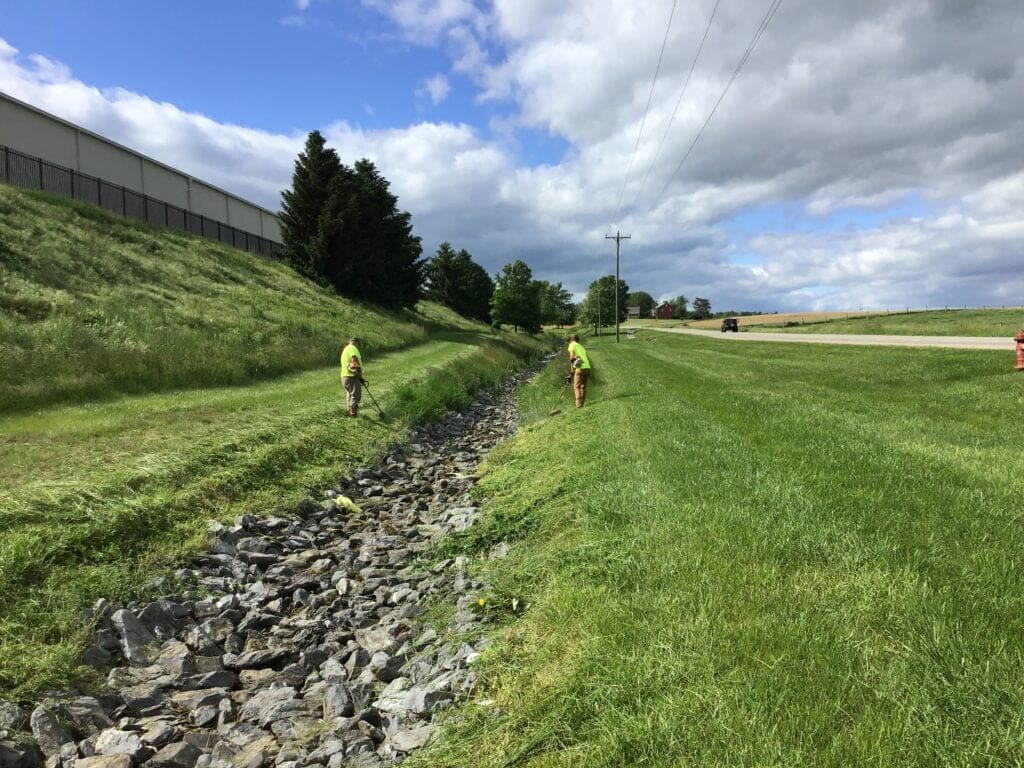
x=35, y=173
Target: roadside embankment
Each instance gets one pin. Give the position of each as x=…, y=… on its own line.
x=299, y=640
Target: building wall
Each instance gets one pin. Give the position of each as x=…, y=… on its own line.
x=35, y=132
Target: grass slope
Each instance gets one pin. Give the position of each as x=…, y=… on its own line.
x=769, y=556
x=92, y=305
x=96, y=498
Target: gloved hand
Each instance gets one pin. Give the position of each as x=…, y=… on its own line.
x=568, y=377
x=363, y=381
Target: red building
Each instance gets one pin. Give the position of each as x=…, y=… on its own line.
x=664, y=311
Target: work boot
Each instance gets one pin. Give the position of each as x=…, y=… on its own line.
x=350, y=412
x=355, y=410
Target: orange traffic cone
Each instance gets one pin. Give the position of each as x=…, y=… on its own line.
x=1020, y=350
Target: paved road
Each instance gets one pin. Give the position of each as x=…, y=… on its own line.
x=999, y=343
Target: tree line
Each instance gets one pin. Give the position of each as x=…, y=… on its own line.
x=341, y=226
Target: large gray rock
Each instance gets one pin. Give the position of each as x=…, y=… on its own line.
x=338, y=702
x=139, y=646
x=376, y=639
x=408, y=739
x=272, y=704
x=50, y=733
x=117, y=742
x=20, y=754
x=178, y=755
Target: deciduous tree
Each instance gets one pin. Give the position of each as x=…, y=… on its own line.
x=516, y=299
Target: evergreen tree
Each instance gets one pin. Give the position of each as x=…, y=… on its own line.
x=303, y=205
x=479, y=291
x=444, y=281
x=516, y=299
x=456, y=281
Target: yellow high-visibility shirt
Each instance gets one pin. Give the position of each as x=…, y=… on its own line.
x=347, y=354
x=576, y=350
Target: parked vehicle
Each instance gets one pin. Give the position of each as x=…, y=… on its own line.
x=730, y=324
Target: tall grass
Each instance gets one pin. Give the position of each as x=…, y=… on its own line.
x=92, y=305
x=768, y=556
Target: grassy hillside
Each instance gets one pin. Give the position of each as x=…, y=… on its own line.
x=773, y=555
x=235, y=406
x=92, y=305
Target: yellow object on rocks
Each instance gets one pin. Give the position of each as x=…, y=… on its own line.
x=346, y=503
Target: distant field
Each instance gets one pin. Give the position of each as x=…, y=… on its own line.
x=953, y=322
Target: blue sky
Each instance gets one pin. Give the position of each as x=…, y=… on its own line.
x=868, y=154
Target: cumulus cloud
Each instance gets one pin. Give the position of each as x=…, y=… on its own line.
x=436, y=88
x=887, y=131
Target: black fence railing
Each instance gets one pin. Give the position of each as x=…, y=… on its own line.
x=35, y=173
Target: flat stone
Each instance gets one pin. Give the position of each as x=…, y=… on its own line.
x=375, y=639
x=178, y=755
x=272, y=704
x=104, y=761
x=117, y=742
x=258, y=659
x=408, y=739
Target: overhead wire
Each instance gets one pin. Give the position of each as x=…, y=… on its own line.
x=769, y=15
x=679, y=101
x=643, y=120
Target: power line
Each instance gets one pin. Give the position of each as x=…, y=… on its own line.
x=769, y=15
x=679, y=101
x=643, y=120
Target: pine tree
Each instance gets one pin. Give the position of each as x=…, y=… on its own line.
x=303, y=205
x=443, y=278
x=479, y=291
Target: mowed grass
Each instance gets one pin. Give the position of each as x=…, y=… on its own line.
x=93, y=306
x=774, y=555
x=101, y=499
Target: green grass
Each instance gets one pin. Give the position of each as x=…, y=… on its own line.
x=762, y=556
x=100, y=498
x=93, y=306
x=953, y=322
x=152, y=381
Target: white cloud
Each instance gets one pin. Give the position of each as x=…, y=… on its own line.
x=436, y=87
x=302, y=5
x=844, y=113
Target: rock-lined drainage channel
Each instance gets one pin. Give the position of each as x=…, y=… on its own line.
x=297, y=645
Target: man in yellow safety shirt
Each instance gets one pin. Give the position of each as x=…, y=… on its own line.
x=352, y=374
x=579, y=364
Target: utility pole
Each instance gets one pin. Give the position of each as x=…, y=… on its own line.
x=618, y=239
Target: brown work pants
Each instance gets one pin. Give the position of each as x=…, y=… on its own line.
x=579, y=385
x=354, y=389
